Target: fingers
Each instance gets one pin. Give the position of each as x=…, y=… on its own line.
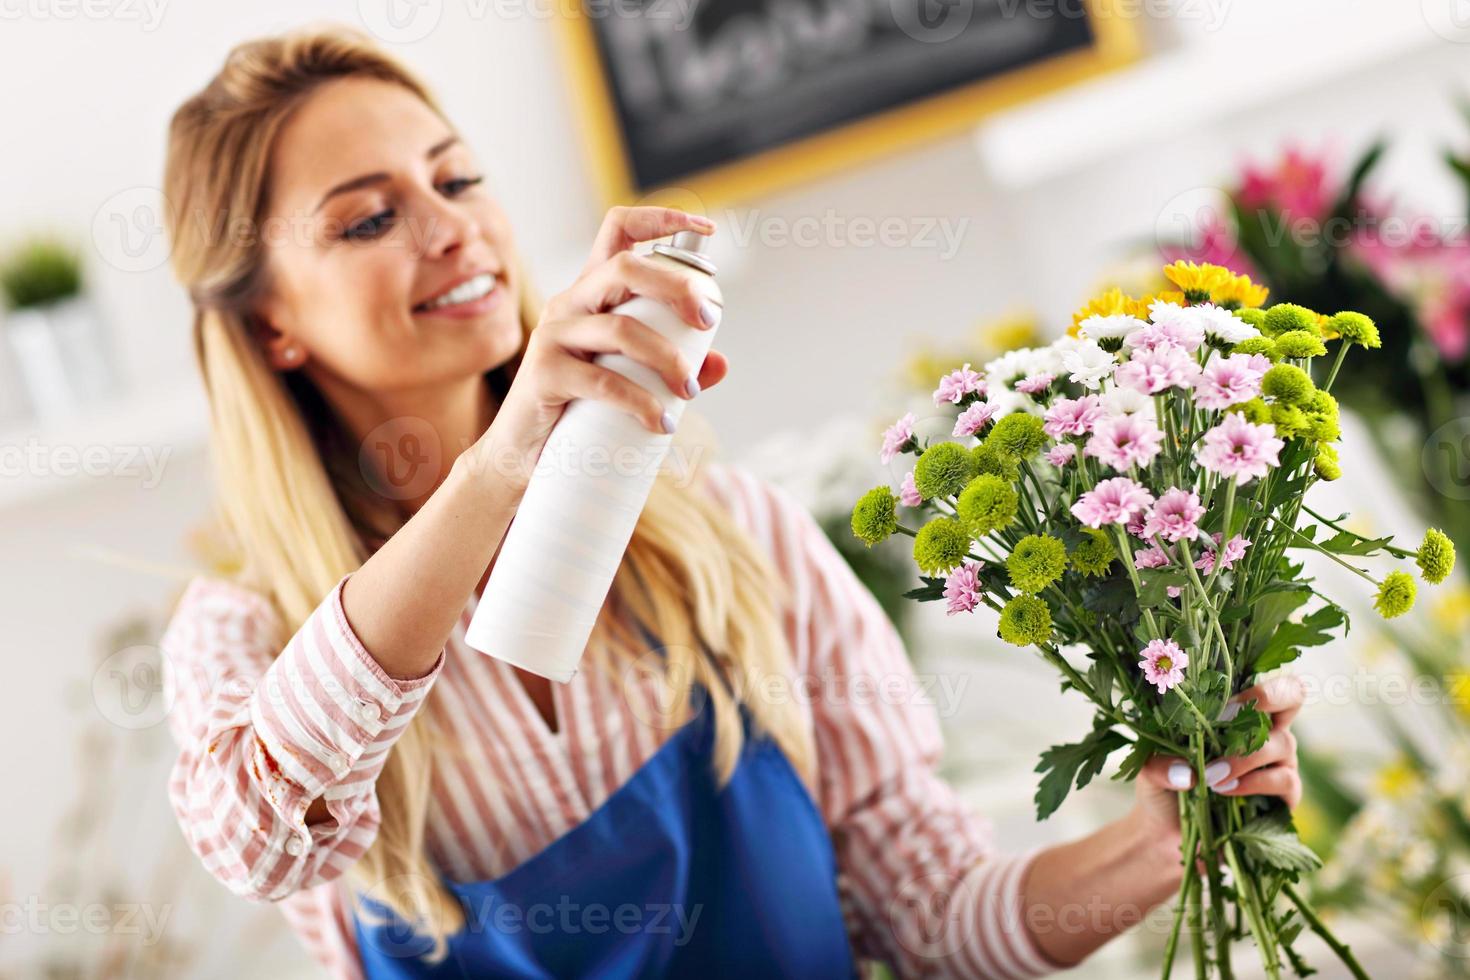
x=716, y=366
x=1281, y=697
x=622, y=227
x=1167, y=772
x=626, y=335
x=587, y=380
x=1280, y=747
x=1281, y=780
x=626, y=275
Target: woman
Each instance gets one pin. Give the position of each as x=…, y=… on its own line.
x=380, y=382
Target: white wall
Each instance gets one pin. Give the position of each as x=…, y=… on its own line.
x=1047, y=197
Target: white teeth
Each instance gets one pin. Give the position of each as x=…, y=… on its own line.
x=465, y=292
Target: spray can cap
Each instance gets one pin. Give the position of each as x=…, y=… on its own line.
x=688, y=247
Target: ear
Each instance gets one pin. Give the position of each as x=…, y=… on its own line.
x=283, y=352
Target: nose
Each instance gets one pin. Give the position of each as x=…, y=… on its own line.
x=447, y=227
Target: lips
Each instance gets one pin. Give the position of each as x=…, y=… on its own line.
x=465, y=290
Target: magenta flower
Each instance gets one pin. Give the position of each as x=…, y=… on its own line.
x=1231, y=380
x=898, y=434
x=1035, y=384
x=962, y=588
x=1163, y=663
x=1174, y=516
x=1072, y=416
x=908, y=493
x=1240, y=449
x=1151, y=371
x=1061, y=455
x=1112, y=501
x=1151, y=557
x=1125, y=440
x=974, y=418
x=1234, y=552
x=955, y=385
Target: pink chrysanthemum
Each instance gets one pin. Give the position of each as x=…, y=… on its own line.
x=1231, y=380
x=908, y=493
x=962, y=588
x=974, y=418
x=894, y=438
x=1152, y=371
x=1163, y=663
x=1072, y=416
x=1061, y=455
x=1182, y=332
x=1239, y=448
x=955, y=385
x=1125, y=440
x=1035, y=384
x=1234, y=552
x=1174, y=516
x=1152, y=557
x=1112, y=501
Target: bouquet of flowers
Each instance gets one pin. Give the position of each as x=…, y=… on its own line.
x=1133, y=494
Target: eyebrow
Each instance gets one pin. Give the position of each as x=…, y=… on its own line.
x=367, y=180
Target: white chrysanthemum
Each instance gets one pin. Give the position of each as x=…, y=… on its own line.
x=1114, y=326
x=1006, y=401
x=1223, y=325
x=1127, y=401
x=1014, y=365
x=1087, y=364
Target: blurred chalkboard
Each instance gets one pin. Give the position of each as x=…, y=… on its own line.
x=683, y=88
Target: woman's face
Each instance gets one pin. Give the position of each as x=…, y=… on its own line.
x=381, y=245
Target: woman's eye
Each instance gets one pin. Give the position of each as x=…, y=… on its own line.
x=369, y=227
x=458, y=185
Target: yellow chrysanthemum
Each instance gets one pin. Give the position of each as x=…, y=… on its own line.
x=1396, y=780
x=1324, y=323
x=1240, y=292
x=1139, y=307
x=1198, y=282
x=1451, y=609
x=1111, y=303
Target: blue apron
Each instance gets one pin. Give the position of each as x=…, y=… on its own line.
x=671, y=876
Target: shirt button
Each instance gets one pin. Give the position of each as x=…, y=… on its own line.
x=294, y=847
x=335, y=763
x=368, y=711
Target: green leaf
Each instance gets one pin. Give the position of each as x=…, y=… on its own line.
x=1272, y=841
x=933, y=588
x=1133, y=762
x=1269, y=612
x=1247, y=732
x=1156, y=583
x=1348, y=543
x=1077, y=762
x=1313, y=631
x=1112, y=598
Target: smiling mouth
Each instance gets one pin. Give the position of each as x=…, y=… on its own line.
x=477, y=287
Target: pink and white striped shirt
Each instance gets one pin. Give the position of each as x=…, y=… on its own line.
x=261, y=736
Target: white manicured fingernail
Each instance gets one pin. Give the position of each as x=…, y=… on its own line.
x=1226, y=786
x=668, y=422
x=1216, y=771
x=1230, y=710
x=1180, y=776
x=709, y=313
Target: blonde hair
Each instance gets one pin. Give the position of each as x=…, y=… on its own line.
x=295, y=505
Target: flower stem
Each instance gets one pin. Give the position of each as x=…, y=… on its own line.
x=1245, y=889
x=1344, y=953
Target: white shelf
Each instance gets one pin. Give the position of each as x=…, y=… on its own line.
x=131, y=441
x=1242, y=66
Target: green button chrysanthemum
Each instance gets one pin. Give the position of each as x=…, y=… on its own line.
x=943, y=469
x=1322, y=417
x=940, y=545
x=1094, y=553
x=1253, y=315
x=1396, y=595
x=873, y=517
x=988, y=503
x=1436, y=557
x=1025, y=620
x=1017, y=437
x=1036, y=561
x=1286, y=317
x=1325, y=462
x=1300, y=343
x=988, y=461
x=1288, y=383
x=1256, y=411
x=1355, y=328
x=1264, y=346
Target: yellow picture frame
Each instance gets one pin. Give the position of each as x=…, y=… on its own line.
x=1115, y=43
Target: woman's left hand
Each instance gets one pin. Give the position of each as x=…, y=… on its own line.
x=1271, y=771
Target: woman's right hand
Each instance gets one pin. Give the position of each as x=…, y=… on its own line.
x=574, y=328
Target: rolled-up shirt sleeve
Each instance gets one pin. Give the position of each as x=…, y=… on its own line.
x=264, y=730
x=922, y=884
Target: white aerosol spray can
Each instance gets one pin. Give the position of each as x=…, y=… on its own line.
x=563, y=549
